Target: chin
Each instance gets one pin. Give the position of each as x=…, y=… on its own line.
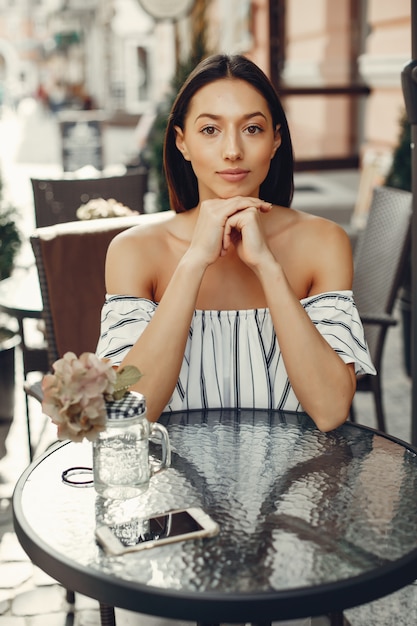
x=239, y=192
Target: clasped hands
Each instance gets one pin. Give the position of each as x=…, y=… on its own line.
x=237, y=221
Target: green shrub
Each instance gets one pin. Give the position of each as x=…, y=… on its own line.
x=399, y=175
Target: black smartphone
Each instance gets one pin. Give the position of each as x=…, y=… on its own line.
x=169, y=527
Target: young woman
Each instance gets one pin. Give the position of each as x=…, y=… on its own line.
x=233, y=298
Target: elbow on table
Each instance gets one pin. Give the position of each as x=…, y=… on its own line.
x=330, y=416
x=332, y=409
x=330, y=422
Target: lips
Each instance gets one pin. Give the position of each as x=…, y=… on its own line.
x=233, y=175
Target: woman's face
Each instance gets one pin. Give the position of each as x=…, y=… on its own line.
x=229, y=139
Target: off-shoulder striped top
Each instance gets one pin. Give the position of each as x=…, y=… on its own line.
x=232, y=358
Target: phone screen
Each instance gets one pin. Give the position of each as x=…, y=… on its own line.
x=172, y=525
x=156, y=528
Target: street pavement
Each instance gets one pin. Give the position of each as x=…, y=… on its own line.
x=30, y=146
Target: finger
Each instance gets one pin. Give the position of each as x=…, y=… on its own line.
x=241, y=203
x=226, y=237
x=256, y=203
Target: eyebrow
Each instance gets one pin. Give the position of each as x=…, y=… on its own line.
x=247, y=116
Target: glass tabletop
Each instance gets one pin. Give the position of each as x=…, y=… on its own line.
x=309, y=521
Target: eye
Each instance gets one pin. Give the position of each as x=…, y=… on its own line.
x=253, y=129
x=209, y=130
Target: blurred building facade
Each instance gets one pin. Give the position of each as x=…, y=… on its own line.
x=337, y=64
x=340, y=66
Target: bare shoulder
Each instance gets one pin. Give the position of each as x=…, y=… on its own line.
x=306, y=229
x=318, y=247
x=326, y=246
x=317, y=231
x=134, y=255
x=149, y=229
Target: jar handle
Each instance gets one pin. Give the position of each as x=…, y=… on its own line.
x=165, y=445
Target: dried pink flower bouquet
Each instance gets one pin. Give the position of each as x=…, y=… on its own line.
x=75, y=395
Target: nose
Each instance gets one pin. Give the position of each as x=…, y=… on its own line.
x=232, y=148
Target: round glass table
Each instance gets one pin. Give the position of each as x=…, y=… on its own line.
x=310, y=522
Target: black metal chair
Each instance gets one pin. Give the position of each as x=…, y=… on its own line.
x=380, y=258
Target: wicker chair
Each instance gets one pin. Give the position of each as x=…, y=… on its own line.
x=57, y=200
x=380, y=256
x=70, y=260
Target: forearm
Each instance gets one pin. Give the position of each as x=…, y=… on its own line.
x=322, y=382
x=159, y=351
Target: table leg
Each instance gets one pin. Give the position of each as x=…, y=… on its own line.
x=70, y=596
x=107, y=616
x=338, y=619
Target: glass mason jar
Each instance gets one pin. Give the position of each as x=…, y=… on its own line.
x=122, y=467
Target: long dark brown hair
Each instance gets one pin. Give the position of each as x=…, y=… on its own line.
x=278, y=186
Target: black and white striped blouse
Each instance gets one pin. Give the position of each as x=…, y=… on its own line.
x=232, y=358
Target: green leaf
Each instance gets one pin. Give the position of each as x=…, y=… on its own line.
x=126, y=377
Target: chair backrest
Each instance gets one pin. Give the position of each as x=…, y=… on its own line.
x=57, y=200
x=380, y=256
x=70, y=259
